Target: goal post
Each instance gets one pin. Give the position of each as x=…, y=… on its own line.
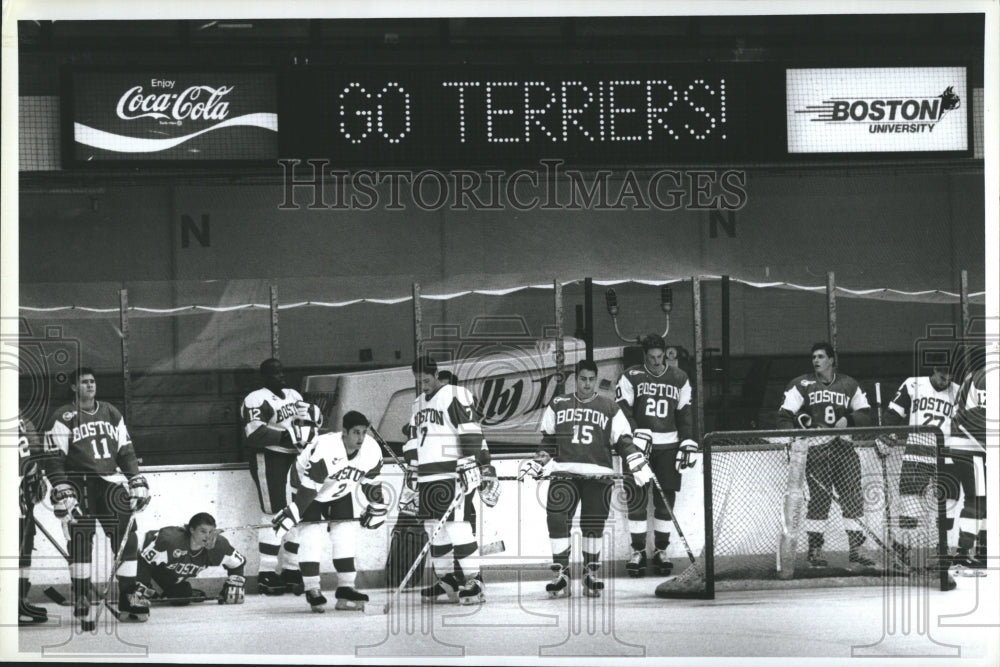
x=771, y=495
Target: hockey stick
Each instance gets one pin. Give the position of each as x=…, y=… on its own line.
x=260, y=526
x=114, y=569
x=50, y=592
x=673, y=518
x=385, y=445
x=885, y=472
x=864, y=526
x=559, y=475
x=459, y=498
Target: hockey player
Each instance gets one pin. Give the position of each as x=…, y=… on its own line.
x=967, y=447
x=656, y=399
x=326, y=476
x=919, y=401
x=827, y=399
x=277, y=424
x=172, y=555
x=579, y=433
x=447, y=449
x=91, y=464
x=31, y=491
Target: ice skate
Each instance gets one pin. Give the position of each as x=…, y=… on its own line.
x=592, y=586
x=636, y=565
x=855, y=558
x=664, y=567
x=473, y=592
x=963, y=565
x=815, y=553
x=316, y=600
x=133, y=606
x=29, y=614
x=559, y=587
x=350, y=599
x=269, y=583
x=447, y=585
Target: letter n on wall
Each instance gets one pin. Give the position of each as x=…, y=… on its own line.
x=728, y=223
x=189, y=228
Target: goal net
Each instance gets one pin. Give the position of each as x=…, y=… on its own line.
x=771, y=495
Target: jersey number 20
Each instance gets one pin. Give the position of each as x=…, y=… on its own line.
x=659, y=408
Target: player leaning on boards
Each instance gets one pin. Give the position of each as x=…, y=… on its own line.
x=323, y=483
x=451, y=456
x=828, y=399
x=172, y=555
x=277, y=424
x=579, y=433
x=656, y=399
x=919, y=401
x=94, y=472
x=31, y=491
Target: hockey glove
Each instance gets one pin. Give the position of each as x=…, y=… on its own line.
x=65, y=504
x=804, y=420
x=232, y=590
x=138, y=493
x=686, y=456
x=298, y=435
x=489, y=490
x=538, y=467
x=884, y=444
x=286, y=519
x=643, y=439
x=640, y=469
x=841, y=423
x=308, y=413
x=374, y=515
x=32, y=489
x=469, y=475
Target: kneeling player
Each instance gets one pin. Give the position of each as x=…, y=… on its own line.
x=323, y=480
x=172, y=555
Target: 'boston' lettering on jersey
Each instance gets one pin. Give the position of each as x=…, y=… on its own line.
x=932, y=404
x=285, y=411
x=582, y=415
x=429, y=415
x=658, y=389
x=827, y=396
x=352, y=474
x=91, y=429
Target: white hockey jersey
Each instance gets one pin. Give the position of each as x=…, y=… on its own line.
x=264, y=407
x=918, y=401
x=441, y=423
x=325, y=467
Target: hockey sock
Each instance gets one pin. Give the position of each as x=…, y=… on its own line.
x=268, y=546
x=561, y=557
x=288, y=555
x=346, y=574
x=590, y=557
x=855, y=538
x=637, y=535
x=310, y=575
x=466, y=549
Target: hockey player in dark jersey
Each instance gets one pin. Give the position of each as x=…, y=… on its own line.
x=172, y=555
x=828, y=399
x=579, y=433
x=94, y=472
x=31, y=491
x=656, y=399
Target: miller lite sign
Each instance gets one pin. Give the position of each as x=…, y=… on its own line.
x=171, y=116
x=877, y=110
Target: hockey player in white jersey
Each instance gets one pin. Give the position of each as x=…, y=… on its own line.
x=277, y=423
x=919, y=401
x=966, y=445
x=327, y=475
x=451, y=457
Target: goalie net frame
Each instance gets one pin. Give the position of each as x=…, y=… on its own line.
x=778, y=440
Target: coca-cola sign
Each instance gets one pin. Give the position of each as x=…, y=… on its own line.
x=180, y=116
